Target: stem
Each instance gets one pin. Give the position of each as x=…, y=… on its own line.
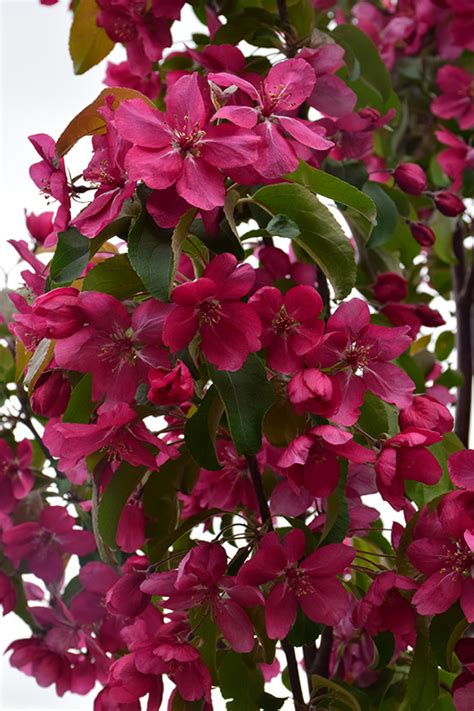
x=266, y=518
x=321, y=664
x=309, y=656
x=463, y=282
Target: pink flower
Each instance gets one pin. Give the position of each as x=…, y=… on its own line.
x=359, y=353
x=118, y=433
x=225, y=489
x=457, y=98
x=456, y=158
x=131, y=528
x=229, y=330
x=390, y=287
x=311, y=460
x=170, y=386
x=406, y=456
x=447, y=562
x=51, y=394
x=118, y=349
x=461, y=469
x=57, y=313
x=107, y=171
x=49, y=175
x=181, y=147
x=44, y=543
x=448, y=203
x=411, y=178
x=125, y=597
x=290, y=324
x=330, y=94
x=311, y=390
x=7, y=593
x=39, y=226
x=200, y=579
x=354, y=133
x=88, y=606
x=276, y=264
x=144, y=30
x=427, y=413
x=310, y=584
x=384, y=608
x=122, y=75
x=16, y=477
x=285, y=88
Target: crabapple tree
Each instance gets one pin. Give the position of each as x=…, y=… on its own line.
x=236, y=377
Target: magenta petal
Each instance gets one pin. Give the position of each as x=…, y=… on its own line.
x=467, y=599
x=141, y=124
x=461, y=469
x=235, y=625
x=201, y=184
x=280, y=611
x=328, y=603
x=438, y=593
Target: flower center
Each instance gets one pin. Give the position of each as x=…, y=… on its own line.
x=270, y=98
x=210, y=311
x=298, y=582
x=119, y=349
x=283, y=323
x=358, y=356
x=188, y=138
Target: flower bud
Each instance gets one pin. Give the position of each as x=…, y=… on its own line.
x=448, y=203
x=428, y=413
x=428, y=316
x=310, y=390
x=39, y=226
x=61, y=311
x=390, y=287
x=423, y=234
x=51, y=394
x=170, y=387
x=410, y=178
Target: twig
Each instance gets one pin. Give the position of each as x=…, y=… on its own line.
x=463, y=286
x=265, y=515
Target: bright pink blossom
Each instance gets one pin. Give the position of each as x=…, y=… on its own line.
x=200, y=579
x=427, y=413
x=330, y=94
x=290, y=324
x=121, y=75
x=181, y=147
x=405, y=456
x=311, y=390
x=39, y=226
x=457, y=158
x=457, y=98
x=211, y=306
x=170, y=386
x=285, y=88
x=117, y=433
x=16, y=477
x=461, y=469
x=107, y=171
x=118, y=349
x=311, y=460
x=310, y=583
x=360, y=353
x=44, y=543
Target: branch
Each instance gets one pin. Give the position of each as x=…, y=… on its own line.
x=463, y=285
x=266, y=518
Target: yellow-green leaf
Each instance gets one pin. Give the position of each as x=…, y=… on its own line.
x=88, y=43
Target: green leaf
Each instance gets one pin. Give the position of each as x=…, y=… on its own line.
x=88, y=43
x=385, y=644
x=123, y=484
x=268, y=702
x=335, y=691
x=7, y=365
x=114, y=276
x=207, y=632
x=373, y=71
x=336, y=525
x=242, y=683
x=178, y=239
x=151, y=255
x=174, y=536
x=321, y=236
x=160, y=504
x=304, y=630
x=387, y=215
x=70, y=257
x=422, y=494
x=200, y=430
x=338, y=190
x=378, y=417
x=39, y=362
x=282, y=226
x=422, y=686
x=445, y=631
x=247, y=395
x=80, y=406
x=444, y=345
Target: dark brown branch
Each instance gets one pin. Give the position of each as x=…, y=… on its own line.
x=463, y=285
x=321, y=664
x=323, y=289
x=266, y=518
